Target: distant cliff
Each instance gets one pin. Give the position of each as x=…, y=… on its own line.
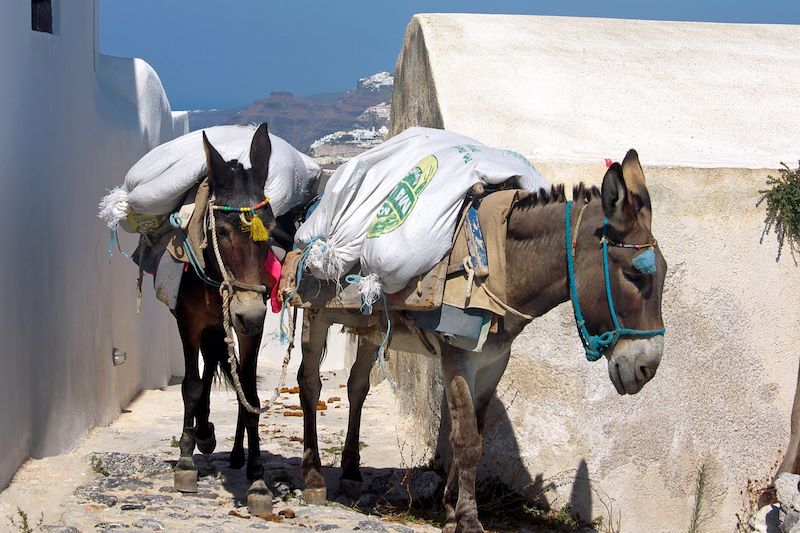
x=303, y=119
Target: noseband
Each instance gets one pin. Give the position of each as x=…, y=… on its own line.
x=596, y=345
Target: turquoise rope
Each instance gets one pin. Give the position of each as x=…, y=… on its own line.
x=379, y=355
x=114, y=241
x=596, y=345
x=175, y=221
x=301, y=265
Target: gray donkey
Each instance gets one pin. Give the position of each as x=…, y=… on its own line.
x=597, y=250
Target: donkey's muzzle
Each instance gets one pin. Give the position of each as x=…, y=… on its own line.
x=633, y=362
x=248, y=313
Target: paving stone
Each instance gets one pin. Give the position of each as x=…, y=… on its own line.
x=126, y=464
x=370, y=525
x=207, y=529
x=149, y=523
x=131, y=506
x=109, y=525
x=99, y=497
x=153, y=498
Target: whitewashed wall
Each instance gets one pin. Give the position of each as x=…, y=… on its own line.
x=72, y=121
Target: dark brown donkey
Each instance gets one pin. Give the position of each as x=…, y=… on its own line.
x=538, y=281
x=199, y=313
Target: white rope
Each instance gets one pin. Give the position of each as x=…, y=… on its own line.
x=370, y=289
x=114, y=207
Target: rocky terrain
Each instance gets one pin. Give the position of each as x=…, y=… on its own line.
x=301, y=120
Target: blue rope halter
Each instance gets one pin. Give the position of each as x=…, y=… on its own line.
x=596, y=345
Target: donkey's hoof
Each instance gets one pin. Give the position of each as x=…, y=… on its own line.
x=316, y=496
x=207, y=445
x=185, y=475
x=236, y=459
x=259, y=498
x=350, y=488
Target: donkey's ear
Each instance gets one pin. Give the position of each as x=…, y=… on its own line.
x=616, y=204
x=260, y=152
x=637, y=188
x=219, y=174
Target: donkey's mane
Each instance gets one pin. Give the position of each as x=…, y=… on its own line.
x=580, y=192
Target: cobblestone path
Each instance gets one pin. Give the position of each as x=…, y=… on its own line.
x=120, y=477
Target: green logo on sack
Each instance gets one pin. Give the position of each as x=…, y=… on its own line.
x=401, y=201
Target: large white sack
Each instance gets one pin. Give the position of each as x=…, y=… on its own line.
x=337, y=229
x=157, y=183
x=414, y=227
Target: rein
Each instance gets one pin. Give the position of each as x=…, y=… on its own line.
x=596, y=345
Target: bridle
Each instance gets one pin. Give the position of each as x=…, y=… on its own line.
x=230, y=284
x=596, y=345
x=248, y=226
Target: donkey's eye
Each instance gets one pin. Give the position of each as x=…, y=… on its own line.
x=641, y=281
x=223, y=232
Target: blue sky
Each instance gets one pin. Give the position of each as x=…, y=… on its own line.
x=223, y=53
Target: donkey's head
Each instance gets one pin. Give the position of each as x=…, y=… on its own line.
x=239, y=213
x=636, y=269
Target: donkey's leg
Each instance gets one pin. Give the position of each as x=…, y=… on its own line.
x=449, y=500
x=486, y=380
x=465, y=440
x=212, y=345
x=315, y=332
x=185, y=473
x=237, y=458
x=259, y=497
x=357, y=389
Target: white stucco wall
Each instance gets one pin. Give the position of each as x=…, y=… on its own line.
x=711, y=109
x=72, y=122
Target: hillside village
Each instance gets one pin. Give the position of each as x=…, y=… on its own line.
x=330, y=127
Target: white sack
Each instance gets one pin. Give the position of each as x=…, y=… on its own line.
x=157, y=183
x=373, y=194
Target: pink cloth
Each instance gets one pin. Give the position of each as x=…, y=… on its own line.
x=273, y=268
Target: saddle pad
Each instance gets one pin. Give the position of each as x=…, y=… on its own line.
x=193, y=213
x=464, y=293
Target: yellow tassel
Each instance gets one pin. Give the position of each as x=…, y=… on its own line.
x=257, y=230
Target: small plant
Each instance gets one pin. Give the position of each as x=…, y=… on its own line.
x=22, y=523
x=699, y=511
x=783, y=209
x=99, y=467
x=174, y=443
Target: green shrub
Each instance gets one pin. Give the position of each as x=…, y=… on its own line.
x=783, y=209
